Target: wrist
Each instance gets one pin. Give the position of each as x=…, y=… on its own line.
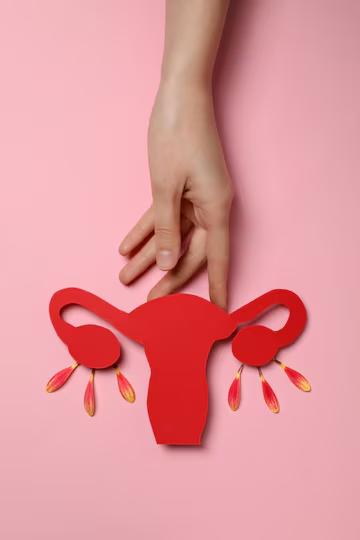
x=180, y=102
x=178, y=88
x=186, y=80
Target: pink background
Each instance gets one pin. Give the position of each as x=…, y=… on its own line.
x=77, y=82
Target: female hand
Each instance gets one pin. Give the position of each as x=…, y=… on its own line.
x=188, y=222
x=191, y=196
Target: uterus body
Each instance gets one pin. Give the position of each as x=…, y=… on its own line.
x=177, y=333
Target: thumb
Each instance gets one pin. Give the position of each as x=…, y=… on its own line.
x=167, y=229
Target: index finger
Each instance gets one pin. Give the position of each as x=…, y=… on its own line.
x=218, y=251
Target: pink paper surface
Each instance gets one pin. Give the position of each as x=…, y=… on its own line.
x=77, y=82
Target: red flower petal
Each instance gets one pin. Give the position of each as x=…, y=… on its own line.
x=89, y=397
x=269, y=395
x=234, y=391
x=296, y=378
x=60, y=378
x=125, y=387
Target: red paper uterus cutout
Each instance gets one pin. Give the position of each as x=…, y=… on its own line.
x=177, y=333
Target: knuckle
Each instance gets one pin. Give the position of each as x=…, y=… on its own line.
x=220, y=216
x=163, y=187
x=164, y=232
x=219, y=211
x=161, y=184
x=226, y=197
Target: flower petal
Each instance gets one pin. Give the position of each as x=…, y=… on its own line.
x=89, y=397
x=269, y=394
x=296, y=378
x=125, y=387
x=60, y=378
x=234, y=391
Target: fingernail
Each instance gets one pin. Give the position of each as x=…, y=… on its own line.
x=165, y=259
x=123, y=248
x=123, y=278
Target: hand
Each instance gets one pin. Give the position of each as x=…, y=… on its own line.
x=188, y=222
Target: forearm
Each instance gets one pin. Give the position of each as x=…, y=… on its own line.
x=192, y=36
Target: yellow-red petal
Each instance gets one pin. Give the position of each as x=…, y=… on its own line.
x=60, y=378
x=269, y=395
x=89, y=397
x=125, y=387
x=297, y=379
x=234, y=391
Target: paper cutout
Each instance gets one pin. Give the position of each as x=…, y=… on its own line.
x=177, y=333
x=256, y=346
